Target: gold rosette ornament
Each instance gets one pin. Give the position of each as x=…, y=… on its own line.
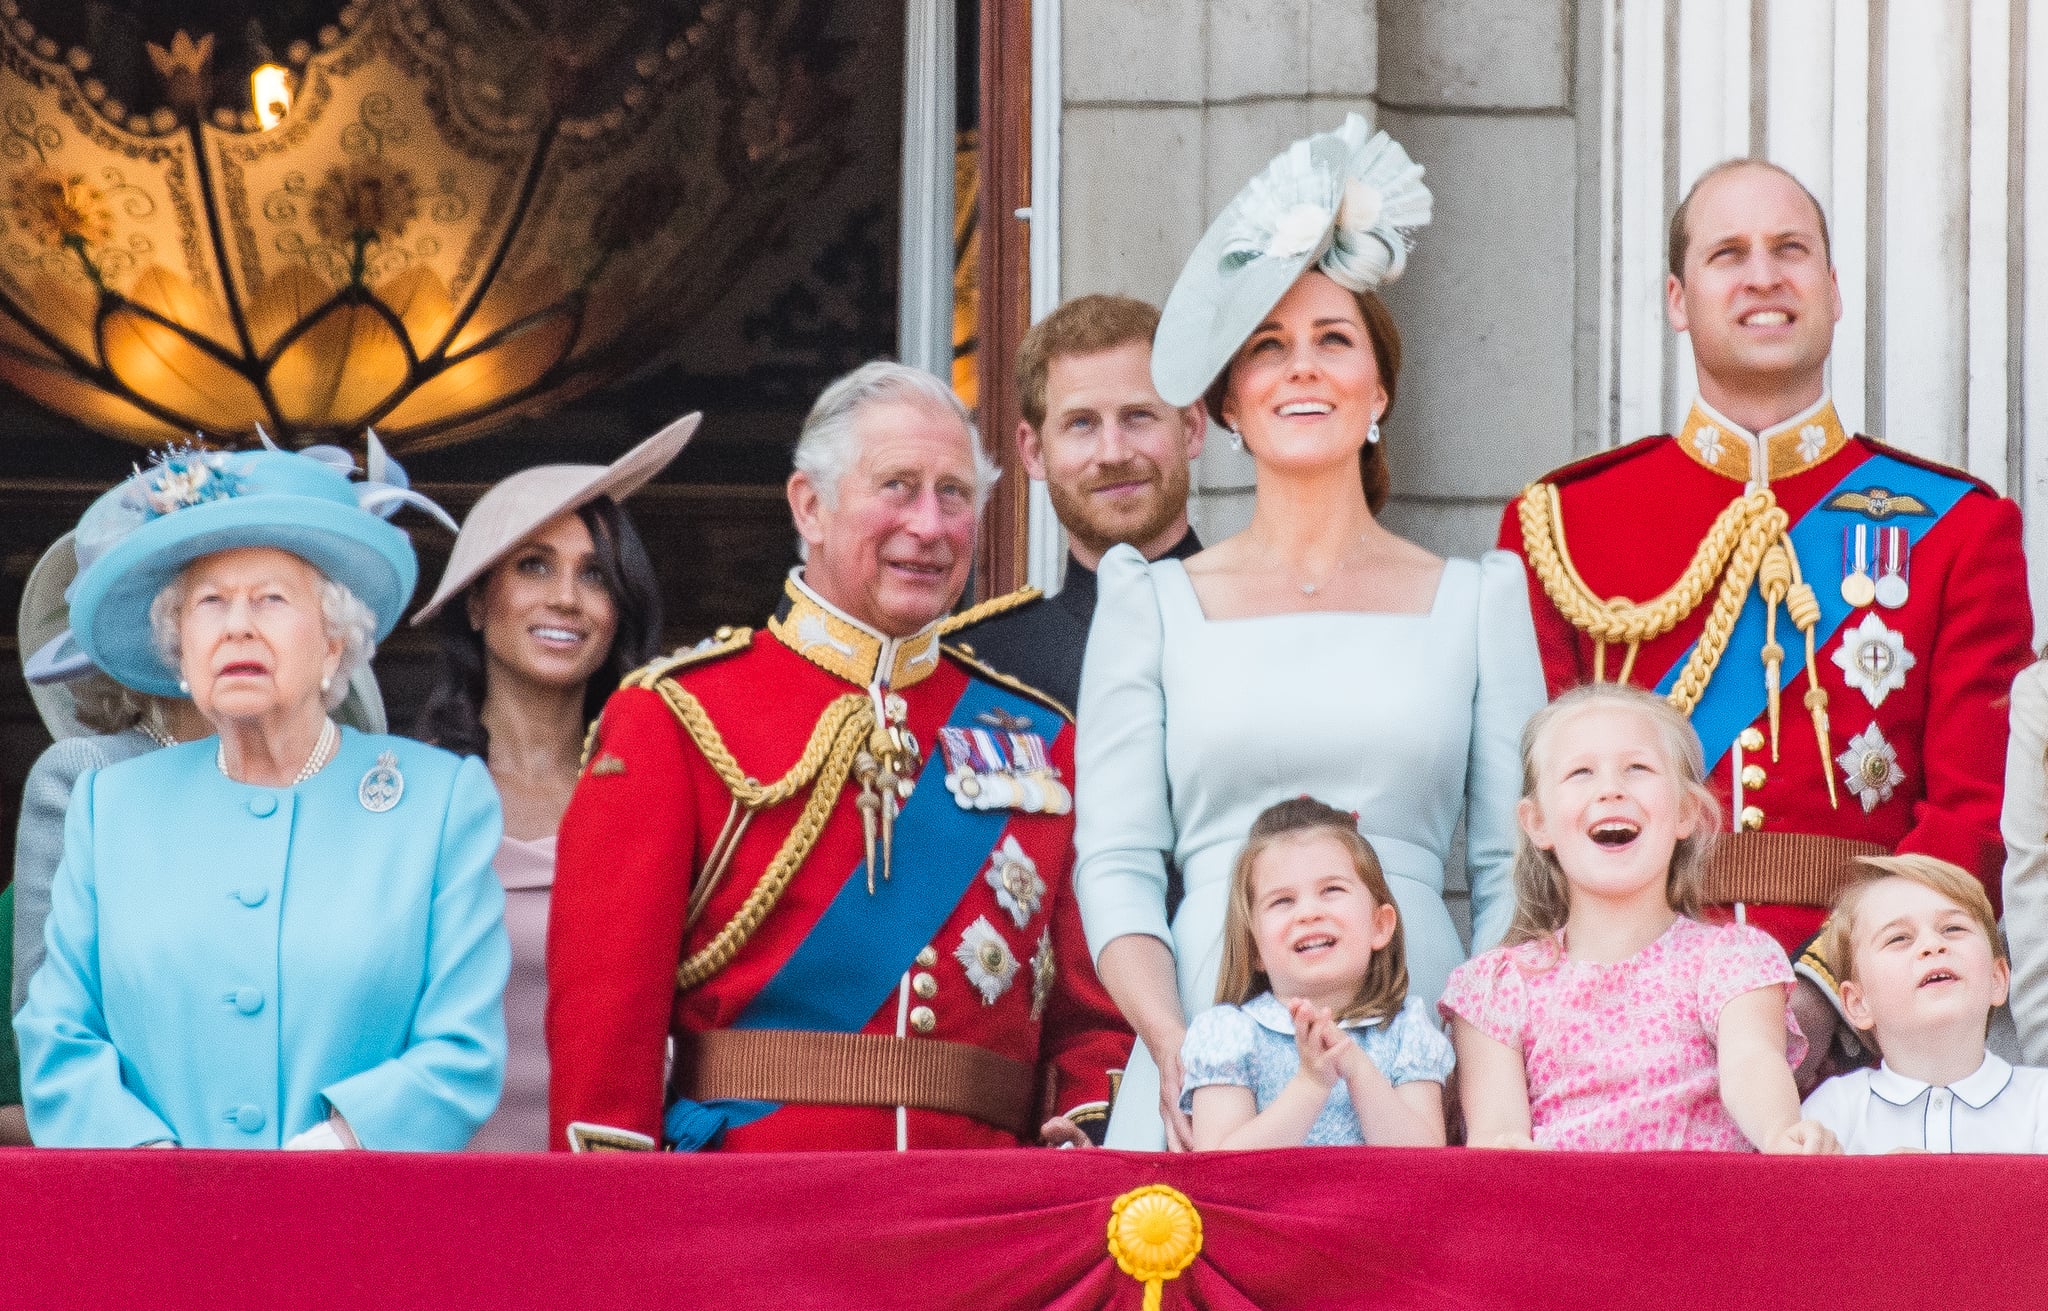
x=1154, y=1234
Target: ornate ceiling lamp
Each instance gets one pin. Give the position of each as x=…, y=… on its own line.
x=459, y=218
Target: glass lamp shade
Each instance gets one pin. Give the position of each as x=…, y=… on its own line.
x=458, y=220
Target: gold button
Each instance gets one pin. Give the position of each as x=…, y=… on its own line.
x=927, y=958
x=1752, y=819
x=922, y=1019
x=924, y=985
x=724, y=633
x=1752, y=738
x=1752, y=777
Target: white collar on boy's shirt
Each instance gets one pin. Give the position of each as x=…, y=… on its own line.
x=1974, y=1090
x=1271, y=1013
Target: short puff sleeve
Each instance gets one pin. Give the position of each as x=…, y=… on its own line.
x=1490, y=992
x=1740, y=958
x=1217, y=1050
x=1422, y=1054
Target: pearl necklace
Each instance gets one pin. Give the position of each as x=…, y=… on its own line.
x=323, y=751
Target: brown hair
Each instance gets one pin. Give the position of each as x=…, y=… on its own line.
x=1385, y=337
x=1542, y=893
x=1240, y=978
x=1681, y=235
x=1837, y=945
x=1082, y=326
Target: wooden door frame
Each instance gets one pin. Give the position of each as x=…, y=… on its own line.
x=1004, y=274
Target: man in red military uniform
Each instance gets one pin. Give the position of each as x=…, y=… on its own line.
x=831, y=859
x=1842, y=621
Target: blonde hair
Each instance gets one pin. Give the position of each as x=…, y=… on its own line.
x=1385, y=985
x=1542, y=893
x=1837, y=945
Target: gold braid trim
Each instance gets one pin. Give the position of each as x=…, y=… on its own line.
x=988, y=609
x=841, y=732
x=1732, y=551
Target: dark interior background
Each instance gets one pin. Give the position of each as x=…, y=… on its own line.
x=819, y=298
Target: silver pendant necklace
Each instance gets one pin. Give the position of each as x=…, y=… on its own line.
x=323, y=749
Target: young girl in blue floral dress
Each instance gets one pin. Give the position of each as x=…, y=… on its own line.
x=1313, y=1041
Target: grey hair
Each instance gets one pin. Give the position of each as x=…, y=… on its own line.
x=827, y=448
x=343, y=614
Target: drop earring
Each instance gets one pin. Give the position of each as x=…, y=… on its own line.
x=184, y=687
x=1372, y=434
x=1236, y=439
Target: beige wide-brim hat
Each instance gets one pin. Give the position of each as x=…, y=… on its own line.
x=51, y=659
x=505, y=515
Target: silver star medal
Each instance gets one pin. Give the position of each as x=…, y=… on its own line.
x=382, y=785
x=1014, y=876
x=1871, y=766
x=990, y=964
x=1874, y=659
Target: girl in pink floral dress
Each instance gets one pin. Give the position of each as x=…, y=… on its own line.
x=1610, y=1018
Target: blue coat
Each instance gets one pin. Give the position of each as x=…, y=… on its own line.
x=226, y=963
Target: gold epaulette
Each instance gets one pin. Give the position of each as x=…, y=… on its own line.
x=724, y=642
x=1017, y=685
x=989, y=609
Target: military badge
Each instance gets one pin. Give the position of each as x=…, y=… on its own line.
x=382, y=785
x=1014, y=876
x=1813, y=439
x=1894, y=561
x=1707, y=441
x=990, y=964
x=1043, y=972
x=1871, y=766
x=1858, y=588
x=1002, y=769
x=1874, y=659
x=607, y=765
x=1879, y=503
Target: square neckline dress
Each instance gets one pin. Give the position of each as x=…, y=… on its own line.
x=1190, y=726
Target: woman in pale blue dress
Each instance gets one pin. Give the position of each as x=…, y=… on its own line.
x=1313, y=653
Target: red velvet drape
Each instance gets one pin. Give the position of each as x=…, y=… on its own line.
x=1308, y=1228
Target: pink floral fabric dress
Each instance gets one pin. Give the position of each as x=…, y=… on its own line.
x=1621, y=1056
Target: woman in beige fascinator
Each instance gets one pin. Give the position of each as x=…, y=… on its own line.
x=549, y=599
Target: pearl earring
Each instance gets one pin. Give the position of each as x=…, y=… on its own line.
x=1236, y=439
x=1372, y=434
x=325, y=682
x=184, y=687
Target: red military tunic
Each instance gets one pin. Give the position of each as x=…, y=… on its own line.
x=643, y=823
x=1633, y=519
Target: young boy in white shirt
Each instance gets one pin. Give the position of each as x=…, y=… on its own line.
x=1922, y=967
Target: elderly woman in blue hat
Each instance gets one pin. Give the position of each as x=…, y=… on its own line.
x=288, y=933
x=1314, y=652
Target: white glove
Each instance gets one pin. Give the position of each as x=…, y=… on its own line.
x=320, y=1138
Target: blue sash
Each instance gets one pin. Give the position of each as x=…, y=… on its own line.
x=1736, y=695
x=853, y=958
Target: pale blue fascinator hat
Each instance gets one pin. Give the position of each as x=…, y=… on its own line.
x=193, y=503
x=1342, y=202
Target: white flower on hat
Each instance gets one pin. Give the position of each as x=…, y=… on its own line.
x=1298, y=231
x=1360, y=211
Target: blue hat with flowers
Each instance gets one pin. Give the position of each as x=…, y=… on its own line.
x=193, y=503
x=1341, y=201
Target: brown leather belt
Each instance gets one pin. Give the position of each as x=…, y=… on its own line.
x=1782, y=869
x=859, y=1069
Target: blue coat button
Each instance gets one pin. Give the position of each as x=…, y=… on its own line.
x=262, y=805
x=252, y=895
x=249, y=1119
x=248, y=1000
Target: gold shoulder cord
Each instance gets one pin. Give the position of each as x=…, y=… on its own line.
x=1747, y=544
x=826, y=761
